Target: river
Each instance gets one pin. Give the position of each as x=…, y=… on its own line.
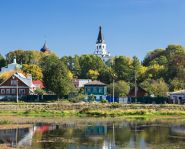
x=124, y=134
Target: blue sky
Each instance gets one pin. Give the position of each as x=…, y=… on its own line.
x=130, y=27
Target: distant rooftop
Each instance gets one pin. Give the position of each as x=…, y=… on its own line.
x=95, y=82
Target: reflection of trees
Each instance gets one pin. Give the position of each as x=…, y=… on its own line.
x=156, y=135
x=122, y=135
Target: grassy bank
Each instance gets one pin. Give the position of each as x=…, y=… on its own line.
x=90, y=109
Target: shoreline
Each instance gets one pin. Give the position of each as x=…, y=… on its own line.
x=94, y=110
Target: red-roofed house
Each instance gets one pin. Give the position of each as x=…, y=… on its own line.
x=38, y=84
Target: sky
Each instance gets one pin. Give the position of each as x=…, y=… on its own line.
x=130, y=27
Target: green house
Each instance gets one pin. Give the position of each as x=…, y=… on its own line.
x=95, y=89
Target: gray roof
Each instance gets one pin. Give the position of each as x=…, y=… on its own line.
x=27, y=81
x=177, y=92
x=100, y=38
x=95, y=82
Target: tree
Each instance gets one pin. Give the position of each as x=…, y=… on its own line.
x=88, y=62
x=34, y=70
x=2, y=61
x=155, y=87
x=55, y=76
x=93, y=74
x=121, y=88
x=122, y=68
x=26, y=56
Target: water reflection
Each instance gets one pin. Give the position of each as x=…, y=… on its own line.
x=109, y=135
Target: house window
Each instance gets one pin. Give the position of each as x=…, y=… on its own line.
x=22, y=91
x=13, y=82
x=88, y=89
x=101, y=90
x=95, y=90
x=2, y=91
x=13, y=91
x=7, y=91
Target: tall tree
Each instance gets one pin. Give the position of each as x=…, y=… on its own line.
x=56, y=76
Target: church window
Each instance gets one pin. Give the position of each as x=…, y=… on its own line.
x=99, y=46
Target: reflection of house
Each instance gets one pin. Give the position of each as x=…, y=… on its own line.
x=11, y=67
x=97, y=89
x=12, y=136
x=96, y=130
x=17, y=82
x=139, y=92
x=178, y=96
x=177, y=130
x=78, y=83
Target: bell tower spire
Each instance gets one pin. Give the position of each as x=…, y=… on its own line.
x=101, y=49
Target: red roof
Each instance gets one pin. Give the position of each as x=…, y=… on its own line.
x=38, y=83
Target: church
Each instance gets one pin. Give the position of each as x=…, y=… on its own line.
x=101, y=47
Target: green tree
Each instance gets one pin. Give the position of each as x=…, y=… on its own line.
x=2, y=61
x=122, y=68
x=155, y=87
x=121, y=88
x=55, y=76
x=88, y=62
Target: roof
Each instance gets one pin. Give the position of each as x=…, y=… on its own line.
x=38, y=82
x=45, y=48
x=177, y=92
x=27, y=81
x=95, y=82
x=100, y=38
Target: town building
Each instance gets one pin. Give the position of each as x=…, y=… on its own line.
x=95, y=89
x=78, y=83
x=38, y=84
x=139, y=92
x=16, y=85
x=177, y=96
x=11, y=67
x=101, y=47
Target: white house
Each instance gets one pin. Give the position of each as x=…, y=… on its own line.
x=78, y=83
x=177, y=96
x=10, y=67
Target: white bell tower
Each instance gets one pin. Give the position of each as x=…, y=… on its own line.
x=101, y=49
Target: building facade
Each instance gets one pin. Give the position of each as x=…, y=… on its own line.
x=95, y=89
x=16, y=85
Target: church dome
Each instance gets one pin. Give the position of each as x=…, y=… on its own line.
x=45, y=48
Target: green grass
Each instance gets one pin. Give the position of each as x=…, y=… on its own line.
x=91, y=109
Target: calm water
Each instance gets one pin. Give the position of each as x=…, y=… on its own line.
x=98, y=135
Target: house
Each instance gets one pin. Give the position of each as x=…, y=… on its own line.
x=38, y=84
x=78, y=83
x=177, y=96
x=11, y=67
x=140, y=92
x=96, y=89
x=15, y=85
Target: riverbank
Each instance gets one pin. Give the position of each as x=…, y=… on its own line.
x=90, y=109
